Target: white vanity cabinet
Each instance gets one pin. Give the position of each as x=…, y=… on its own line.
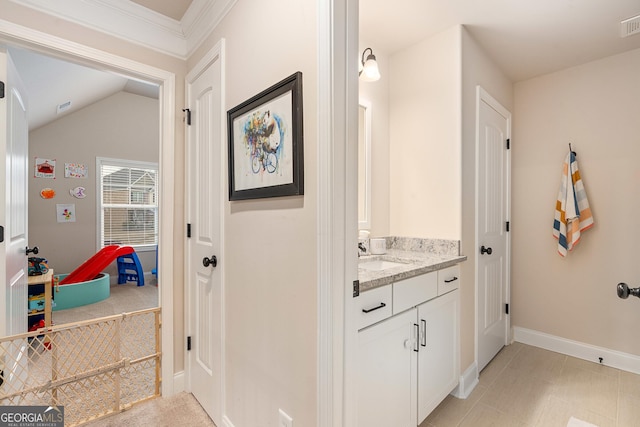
x=409, y=362
x=438, y=355
x=387, y=375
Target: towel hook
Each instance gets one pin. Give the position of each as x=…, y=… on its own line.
x=571, y=150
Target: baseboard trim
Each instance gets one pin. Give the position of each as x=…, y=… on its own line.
x=468, y=382
x=615, y=359
x=178, y=382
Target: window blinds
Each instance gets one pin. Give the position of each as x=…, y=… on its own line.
x=128, y=203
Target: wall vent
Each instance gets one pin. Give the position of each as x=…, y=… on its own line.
x=630, y=26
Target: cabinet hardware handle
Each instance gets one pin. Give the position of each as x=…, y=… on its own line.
x=424, y=333
x=364, y=310
x=417, y=337
x=450, y=280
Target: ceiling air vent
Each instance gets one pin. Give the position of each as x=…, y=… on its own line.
x=63, y=107
x=630, y=26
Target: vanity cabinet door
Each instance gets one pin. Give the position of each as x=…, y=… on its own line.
x=387, y=374
x=438, y=358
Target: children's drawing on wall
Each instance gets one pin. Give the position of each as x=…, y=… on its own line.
x=66, y=212
x=45, y=168
x=75, y=170
x=78, y=192
x=47, y=193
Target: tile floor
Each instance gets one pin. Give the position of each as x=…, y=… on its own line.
x=530, y=387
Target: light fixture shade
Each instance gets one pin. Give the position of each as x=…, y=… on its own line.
x=370, y=71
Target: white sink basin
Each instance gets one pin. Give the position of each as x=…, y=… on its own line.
x=379, y=265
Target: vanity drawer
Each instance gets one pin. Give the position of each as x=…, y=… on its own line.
x=373, y=306
x=448, y=279
x=411, y=292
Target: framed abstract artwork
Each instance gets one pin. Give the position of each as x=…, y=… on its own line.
x=266, y=143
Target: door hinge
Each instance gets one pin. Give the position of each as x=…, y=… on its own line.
x=356, y=288
x=508, y=226
x=188, y=118
x=1, y=233
x=188, y=343
x=506, y=308
x=1, y=90
x=188, y=230
x=508, y=143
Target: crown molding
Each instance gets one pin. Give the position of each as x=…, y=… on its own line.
x=201, y=18
x=130, y=21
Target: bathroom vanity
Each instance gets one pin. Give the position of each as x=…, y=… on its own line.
x=408, y=332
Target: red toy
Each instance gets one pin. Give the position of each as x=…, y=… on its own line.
x=92, y=267
x=39, y=324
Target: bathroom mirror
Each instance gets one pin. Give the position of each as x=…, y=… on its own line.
x=364, y=165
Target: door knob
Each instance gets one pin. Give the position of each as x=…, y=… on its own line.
x=28, y=250
x=624, y=291
x=213, y=261
x=484, y=250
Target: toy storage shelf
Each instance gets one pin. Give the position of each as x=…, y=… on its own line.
x=46, y=280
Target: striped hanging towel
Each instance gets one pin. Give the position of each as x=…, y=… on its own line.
x=573, y=214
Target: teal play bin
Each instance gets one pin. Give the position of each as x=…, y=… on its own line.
x=81, y=293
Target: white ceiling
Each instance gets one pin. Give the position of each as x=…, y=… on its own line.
x=173, y=27
x=50, y=82
x=525, y=38
x=174, y=9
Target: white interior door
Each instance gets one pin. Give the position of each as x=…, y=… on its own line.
x=493, y=238
x=204, y=194
x=14, y=139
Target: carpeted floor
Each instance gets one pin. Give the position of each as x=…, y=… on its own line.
x=124, y=298
x=181, y=410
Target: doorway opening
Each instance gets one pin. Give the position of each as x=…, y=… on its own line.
x=97, y=133
x=16, y=37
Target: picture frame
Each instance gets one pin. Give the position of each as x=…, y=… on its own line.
x=266, y=149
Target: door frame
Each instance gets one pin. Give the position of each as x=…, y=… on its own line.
x=483, y=96
x=215, y=53
x=14, y=34
x=337, y=212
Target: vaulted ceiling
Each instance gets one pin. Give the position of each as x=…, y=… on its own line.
x=175, y=27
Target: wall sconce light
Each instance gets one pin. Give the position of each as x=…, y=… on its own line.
x=369, y=67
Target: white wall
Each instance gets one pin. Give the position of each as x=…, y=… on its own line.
x=425, y=139
x=595, y=106
x=122, y=126
x=377, y=93
x=271, y=244
x=477, y=69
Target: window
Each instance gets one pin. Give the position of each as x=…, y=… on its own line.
x=127, y=203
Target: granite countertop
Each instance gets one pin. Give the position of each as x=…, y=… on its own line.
x=416, y=259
